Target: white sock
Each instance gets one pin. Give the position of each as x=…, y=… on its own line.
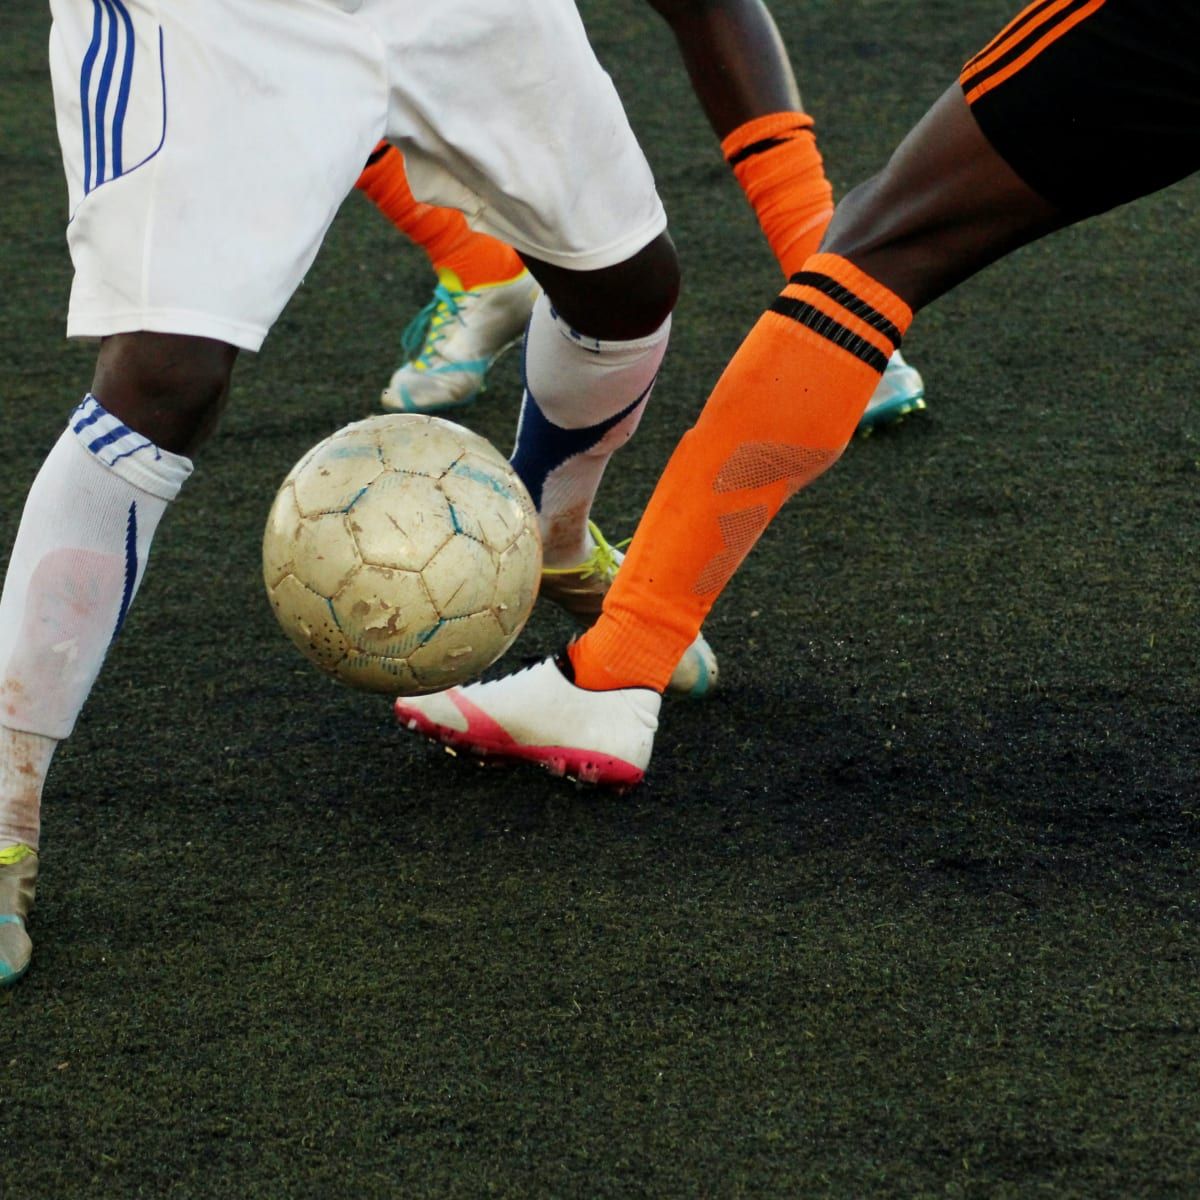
x=78, y=559
x=583, y=400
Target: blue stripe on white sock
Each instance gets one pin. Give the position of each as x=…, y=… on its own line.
x=106, y=437
x=131, y=567
x=91, y=415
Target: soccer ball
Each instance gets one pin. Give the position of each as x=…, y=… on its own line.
x=402, y=554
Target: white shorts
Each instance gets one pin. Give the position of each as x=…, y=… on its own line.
x=208, y=145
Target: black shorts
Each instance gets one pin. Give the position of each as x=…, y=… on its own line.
x=1092, y=102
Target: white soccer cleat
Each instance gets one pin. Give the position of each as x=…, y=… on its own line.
x=900, y=391
x=581, y=589
x=453, y=341
x=538, y=715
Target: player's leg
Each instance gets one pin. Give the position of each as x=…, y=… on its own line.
x=79, y=556
x=781, y=414
x=593, y=348
x=481, y=301
x=171, y=287
x=592, y=353
x=742, y=77
x=565, y=182
x=947, y=204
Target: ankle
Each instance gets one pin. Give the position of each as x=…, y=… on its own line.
x=24, y=762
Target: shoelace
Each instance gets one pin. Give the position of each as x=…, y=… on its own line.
x=602, y=560
x=11, y=855
x=422, y=334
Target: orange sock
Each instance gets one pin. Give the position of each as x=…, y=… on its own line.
x=776, y=161
x=782, y=413
x=443, y=233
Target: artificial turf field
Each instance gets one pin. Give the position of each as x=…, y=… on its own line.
x=907, y=909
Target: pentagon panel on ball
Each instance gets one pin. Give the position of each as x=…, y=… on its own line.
x=402, y=554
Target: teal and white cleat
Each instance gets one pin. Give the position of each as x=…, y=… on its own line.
x=900, y=391
x=538, y=715
x=580, y=591
x=18, y=882
x=452, y=342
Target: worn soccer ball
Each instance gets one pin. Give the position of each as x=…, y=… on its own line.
x=402, y=554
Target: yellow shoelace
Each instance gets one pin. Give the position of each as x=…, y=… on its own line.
x=603, y=558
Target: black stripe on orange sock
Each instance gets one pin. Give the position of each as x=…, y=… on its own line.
x=378, y=153
x=794, y=125
x=760, y=147
x=828, y=286
x=833, y=331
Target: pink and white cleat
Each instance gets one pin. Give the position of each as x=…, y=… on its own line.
x=539, y=715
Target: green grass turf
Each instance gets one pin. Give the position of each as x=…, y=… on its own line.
x=909, y=909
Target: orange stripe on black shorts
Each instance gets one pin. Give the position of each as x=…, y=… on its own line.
x=1092, y=102
x=1021, y=41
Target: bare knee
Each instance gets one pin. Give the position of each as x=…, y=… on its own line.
x=944, y=207
x=170, y=388
x=628, y=300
